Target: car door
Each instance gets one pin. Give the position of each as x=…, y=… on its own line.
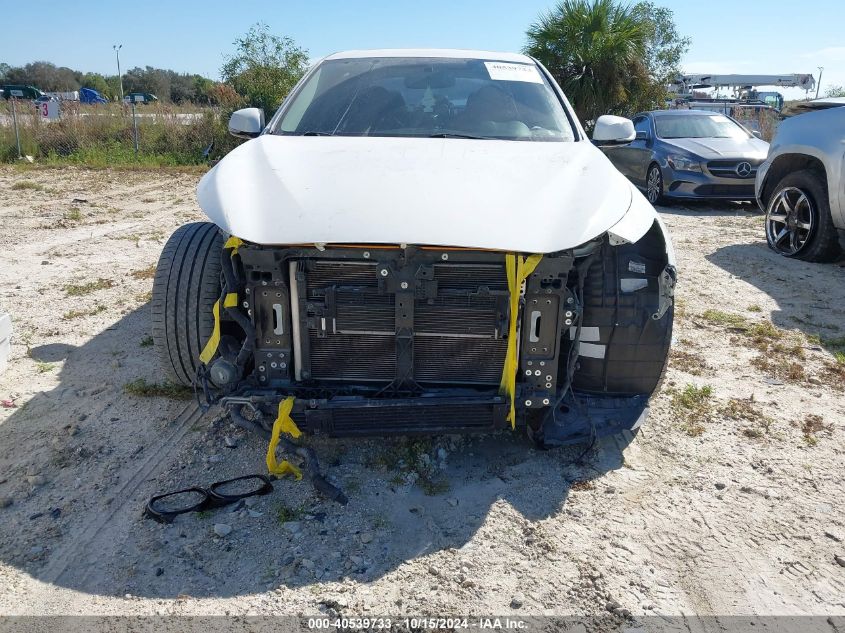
x=640, y=150
x=633, y=158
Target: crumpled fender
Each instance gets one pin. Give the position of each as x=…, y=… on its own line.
x=637, y=221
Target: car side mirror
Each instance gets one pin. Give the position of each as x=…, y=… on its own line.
x=642, y=135
x=756, y=134
x=613, y=130
x=246, y=123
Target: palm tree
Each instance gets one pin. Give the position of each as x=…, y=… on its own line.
x=595, y=49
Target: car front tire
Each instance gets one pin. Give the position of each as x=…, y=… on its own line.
x=798, y=219
x=186, y=285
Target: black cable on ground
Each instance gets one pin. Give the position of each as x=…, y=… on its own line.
x=310, y=465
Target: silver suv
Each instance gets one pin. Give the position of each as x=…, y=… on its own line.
x=801, y=187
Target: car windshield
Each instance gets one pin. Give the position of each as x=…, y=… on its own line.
x=426, y=97
x=697, y=126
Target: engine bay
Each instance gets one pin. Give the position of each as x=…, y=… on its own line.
x=416, y=340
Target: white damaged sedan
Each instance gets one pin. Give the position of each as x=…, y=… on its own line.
x=421, y=241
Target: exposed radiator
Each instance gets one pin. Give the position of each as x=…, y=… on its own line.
x=456, y=336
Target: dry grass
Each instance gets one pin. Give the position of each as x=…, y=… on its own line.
x=812, y=426
x=144, y=273
x=763, y=334
x=833, y=374
x=693, y=406
x=781, y=352
x=835, y=346
x=103, y=140
x=767, y=121
x=23, y=185
x=77, y=314
x=778, y=368
x=74, y=214
x=756, y=422
x=79, y=290
x=726, y=319
x=688, y=362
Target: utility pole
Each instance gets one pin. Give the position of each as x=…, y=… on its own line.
x=819, y=85
x=117, y=48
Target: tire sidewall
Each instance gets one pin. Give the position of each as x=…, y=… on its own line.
x=651, y=168
x=185, y=288
x=811, y=186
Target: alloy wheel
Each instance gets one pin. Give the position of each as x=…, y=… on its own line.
x=654, y=186
x=789, y=221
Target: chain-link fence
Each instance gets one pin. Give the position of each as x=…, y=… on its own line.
x=104, y=134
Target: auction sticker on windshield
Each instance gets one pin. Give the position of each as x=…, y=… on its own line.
x=501, y=71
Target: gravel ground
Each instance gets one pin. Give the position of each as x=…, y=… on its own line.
x=730, y=502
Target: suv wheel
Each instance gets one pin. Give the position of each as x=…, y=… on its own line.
x=798, y=219
x=187, y=283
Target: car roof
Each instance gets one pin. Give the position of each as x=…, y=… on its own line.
x=448, y=53
x=825, y=103
x=830, y=101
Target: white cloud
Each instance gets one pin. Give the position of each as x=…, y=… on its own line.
x=829, y=54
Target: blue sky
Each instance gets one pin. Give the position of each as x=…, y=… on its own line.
x=742, y=36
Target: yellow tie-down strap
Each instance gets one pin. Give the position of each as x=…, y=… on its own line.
x=229, y=301
x=283, y=424
x=518, y=269
x=234, y=243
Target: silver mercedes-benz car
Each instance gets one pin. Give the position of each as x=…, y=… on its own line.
x=690, y=154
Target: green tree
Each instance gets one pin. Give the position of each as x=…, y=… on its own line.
x=834, y=91
x=264, y=67
x=148, y=79
x=202, y=89
x=44, y=76
x=609, y=58
x=94, y=81
x=113, y=91
x=664, y=45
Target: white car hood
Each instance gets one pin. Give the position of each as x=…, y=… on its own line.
x=533, y=197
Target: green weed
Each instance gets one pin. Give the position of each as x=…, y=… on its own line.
x=693, y=405
x=23, y=185
x=78, y=290
x=144, y=389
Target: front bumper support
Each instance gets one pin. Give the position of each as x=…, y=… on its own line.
x=592, y=417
